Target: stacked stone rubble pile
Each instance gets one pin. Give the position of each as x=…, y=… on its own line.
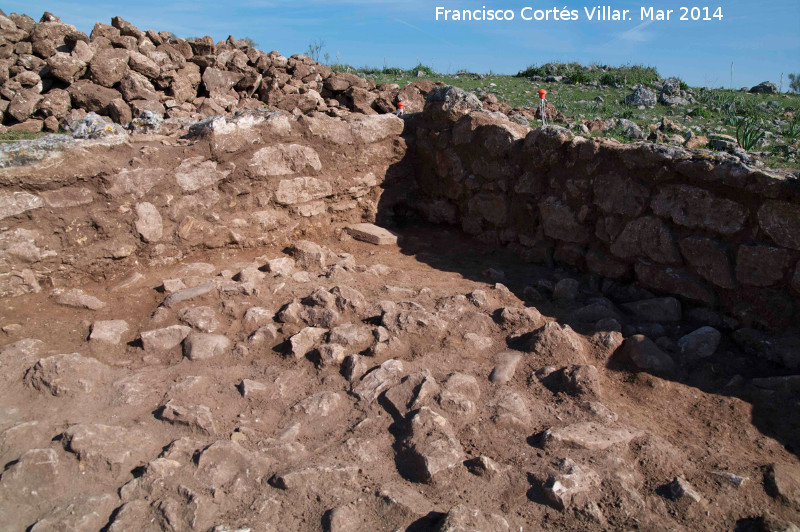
x=51, y=74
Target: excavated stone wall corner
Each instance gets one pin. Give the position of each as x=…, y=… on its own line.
x=694, y=224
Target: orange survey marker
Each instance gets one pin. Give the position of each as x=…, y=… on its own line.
x=400, y=106
x=542, y=108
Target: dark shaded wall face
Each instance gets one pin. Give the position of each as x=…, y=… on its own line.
x=697, y=225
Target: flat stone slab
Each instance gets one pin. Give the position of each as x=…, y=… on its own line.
x=373, y=234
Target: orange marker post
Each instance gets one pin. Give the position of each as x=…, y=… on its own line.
x=542, y=111
x=400, y=108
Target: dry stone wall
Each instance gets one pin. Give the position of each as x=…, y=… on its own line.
x=698, y=225
x=261, y=177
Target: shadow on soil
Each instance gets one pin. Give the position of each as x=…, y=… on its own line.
x=447, y=248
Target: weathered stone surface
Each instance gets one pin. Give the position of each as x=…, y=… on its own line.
x=303, y=342
x=781, y=221
x=14, y=203
x=645, y=354
x=252, y=388
x=204, y=319
x=66, y=197
x=66, y=67
x=460, y=393
x=617, y=195
x=308, y=255
x=84, y=513
x=561, y=223
x=587, y=435
x=378, y=380
x=280, y=266
x=149, y=223
x=90, y=97
x=709, y=259
x=225, y=462
x=76, y=298
x=415, y=391
x=697, y=208
x=701, y=343
x=511, y=410
x=164, y=339
x=318, y=479
x=450, y=103
x=109, y=66
x=301, y=189
x=581, y=379
x=680, y=489
x=674, y=281
x=34, y=475
x=431, y=446
x=659, y=309
x=646, y=237
x=761, y=265
x=372, y=233
x=284, y=159
x=555, y=339
x=189, y=293
x=505, y=367
x=196, y=173
x=193, y=416
x=202, y=346
x=68, y=374
x=108, y=331
x=463, y=519
x=220, y=81
x=117, y=449
x=568, y=483
x=783, y=482
x=320, y=404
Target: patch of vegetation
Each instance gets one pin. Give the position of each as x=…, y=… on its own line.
x=604, y=75
x=749, y=131
x=20, y=135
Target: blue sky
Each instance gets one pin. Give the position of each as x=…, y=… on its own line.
x=762, y=39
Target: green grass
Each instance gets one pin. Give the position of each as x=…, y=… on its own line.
x=771, y=136
x=20, y=135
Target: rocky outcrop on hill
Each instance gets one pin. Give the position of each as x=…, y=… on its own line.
x=51, y=75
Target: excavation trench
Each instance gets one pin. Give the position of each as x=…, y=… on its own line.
x=600, y=241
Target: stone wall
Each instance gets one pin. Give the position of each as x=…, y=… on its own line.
x=698, y=225
x=264, y=177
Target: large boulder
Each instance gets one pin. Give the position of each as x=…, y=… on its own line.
x=109, y=66
x=137, y=87
x=449, y=103
x=65, y=67
x=641, y=96
x=765, y=87
x=90, y=97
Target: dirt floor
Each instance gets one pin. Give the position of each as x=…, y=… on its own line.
x=261, y=407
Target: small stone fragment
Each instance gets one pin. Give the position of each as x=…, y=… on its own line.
x=378, y=380
x=202, y=346
x=108, y=331
x=505, y=367
x=372, y=234
x=192, y=416
x=679, y=489
x=587, y=435
x=431, y=446
x=164, y=339
x=78, y=299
